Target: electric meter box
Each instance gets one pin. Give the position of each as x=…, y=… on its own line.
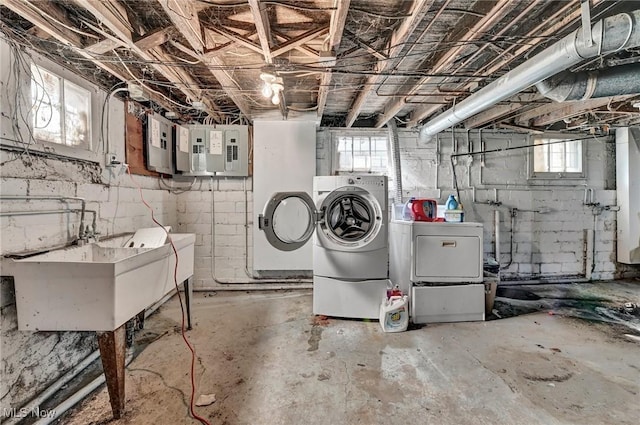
x=159, y=144
x=205, y=150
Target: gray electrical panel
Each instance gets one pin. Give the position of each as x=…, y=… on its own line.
x=204, y=150
x=159, y=144
x=236, y=149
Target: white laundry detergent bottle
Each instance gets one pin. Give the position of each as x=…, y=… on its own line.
x=394, y=314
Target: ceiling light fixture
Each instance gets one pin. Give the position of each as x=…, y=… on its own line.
x=273, y=85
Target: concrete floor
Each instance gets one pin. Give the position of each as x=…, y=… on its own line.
x=268, y=360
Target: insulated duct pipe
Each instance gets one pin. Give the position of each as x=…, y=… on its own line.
x=394, y=149
x=617, y=81
x=610, y=34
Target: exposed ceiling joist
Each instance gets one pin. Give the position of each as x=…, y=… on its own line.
x=29, y=12
x=499, y=111
x=379, y=55
x=566, y=110
x=263, y=28
x=154, y=39
x=497, y=12
x=398, y=38
x=237, y=38
x=186, y=25
x=103, y=46
x=298, y=41
x=156, y=57
x=336, y=30
x=185, y=19
x=302, y=48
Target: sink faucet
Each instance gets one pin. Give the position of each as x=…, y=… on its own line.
x=88, y=234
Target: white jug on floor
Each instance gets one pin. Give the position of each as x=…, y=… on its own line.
x=394, y=314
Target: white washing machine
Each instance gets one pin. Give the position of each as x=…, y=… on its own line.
x=347, y=219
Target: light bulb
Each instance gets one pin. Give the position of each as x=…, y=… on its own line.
x=266, y=90
x=276, y=98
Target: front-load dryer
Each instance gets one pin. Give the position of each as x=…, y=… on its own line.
x=347, y=219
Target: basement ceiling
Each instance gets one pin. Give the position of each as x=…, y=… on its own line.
x=355, y=63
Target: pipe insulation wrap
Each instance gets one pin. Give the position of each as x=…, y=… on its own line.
x=616, y=81
x=610, y=34
x=394, y=149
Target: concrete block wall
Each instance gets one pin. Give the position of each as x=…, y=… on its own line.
x=30, y=361
x=551, y=225
x=220, y=212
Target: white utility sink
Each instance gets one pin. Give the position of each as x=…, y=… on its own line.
x=96, y=287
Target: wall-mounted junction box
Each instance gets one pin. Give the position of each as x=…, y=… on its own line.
x=159, y=144
x=203, y=150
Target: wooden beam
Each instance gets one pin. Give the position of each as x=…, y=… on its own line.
x=185, y=19
x=571, y=109
x=261, y=20
x=228, y=83
x=303, y=49
x=400, y=36
x=238, y=39
x=219, y=50
x=500, y=9
x=156, y=56
x=336, y=30
x=113, y=22
x=102, y=46
x=31, y=12
x=498, y=111
x=381, y=56
x=154, y=39
x=298, y=41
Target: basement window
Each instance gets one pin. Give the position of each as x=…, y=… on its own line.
x=552, y=158
x=61, y=110
x=361, y=154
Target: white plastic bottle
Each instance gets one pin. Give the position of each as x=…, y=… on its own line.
x=394, y=314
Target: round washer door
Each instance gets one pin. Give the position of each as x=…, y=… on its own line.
x=352, y=217
x=288, y=220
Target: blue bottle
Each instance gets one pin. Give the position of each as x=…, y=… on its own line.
x=451, y=203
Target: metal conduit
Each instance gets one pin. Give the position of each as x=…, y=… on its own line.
x=610, y=35
x=394, y=149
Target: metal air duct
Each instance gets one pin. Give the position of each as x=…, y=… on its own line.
x=617, y=81
x=610, y=35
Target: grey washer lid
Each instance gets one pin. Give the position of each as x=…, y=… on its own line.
x=265, y=220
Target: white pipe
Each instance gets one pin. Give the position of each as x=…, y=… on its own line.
x=249, y=287
x=614, y=33
x=72, y=401
x=496, y=217
x=52, y=389
x=70, y=375
x=76, y=398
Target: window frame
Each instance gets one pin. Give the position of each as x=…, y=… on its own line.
x=90, y=150
x=337, y=170
x=554, y=175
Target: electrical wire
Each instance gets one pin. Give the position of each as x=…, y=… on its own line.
x=175, y=281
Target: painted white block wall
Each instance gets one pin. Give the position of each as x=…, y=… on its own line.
x=32, y=360
x=547, y=245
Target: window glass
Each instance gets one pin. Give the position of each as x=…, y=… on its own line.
x=552, y=156
x=61, y=110
x=362, y=154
